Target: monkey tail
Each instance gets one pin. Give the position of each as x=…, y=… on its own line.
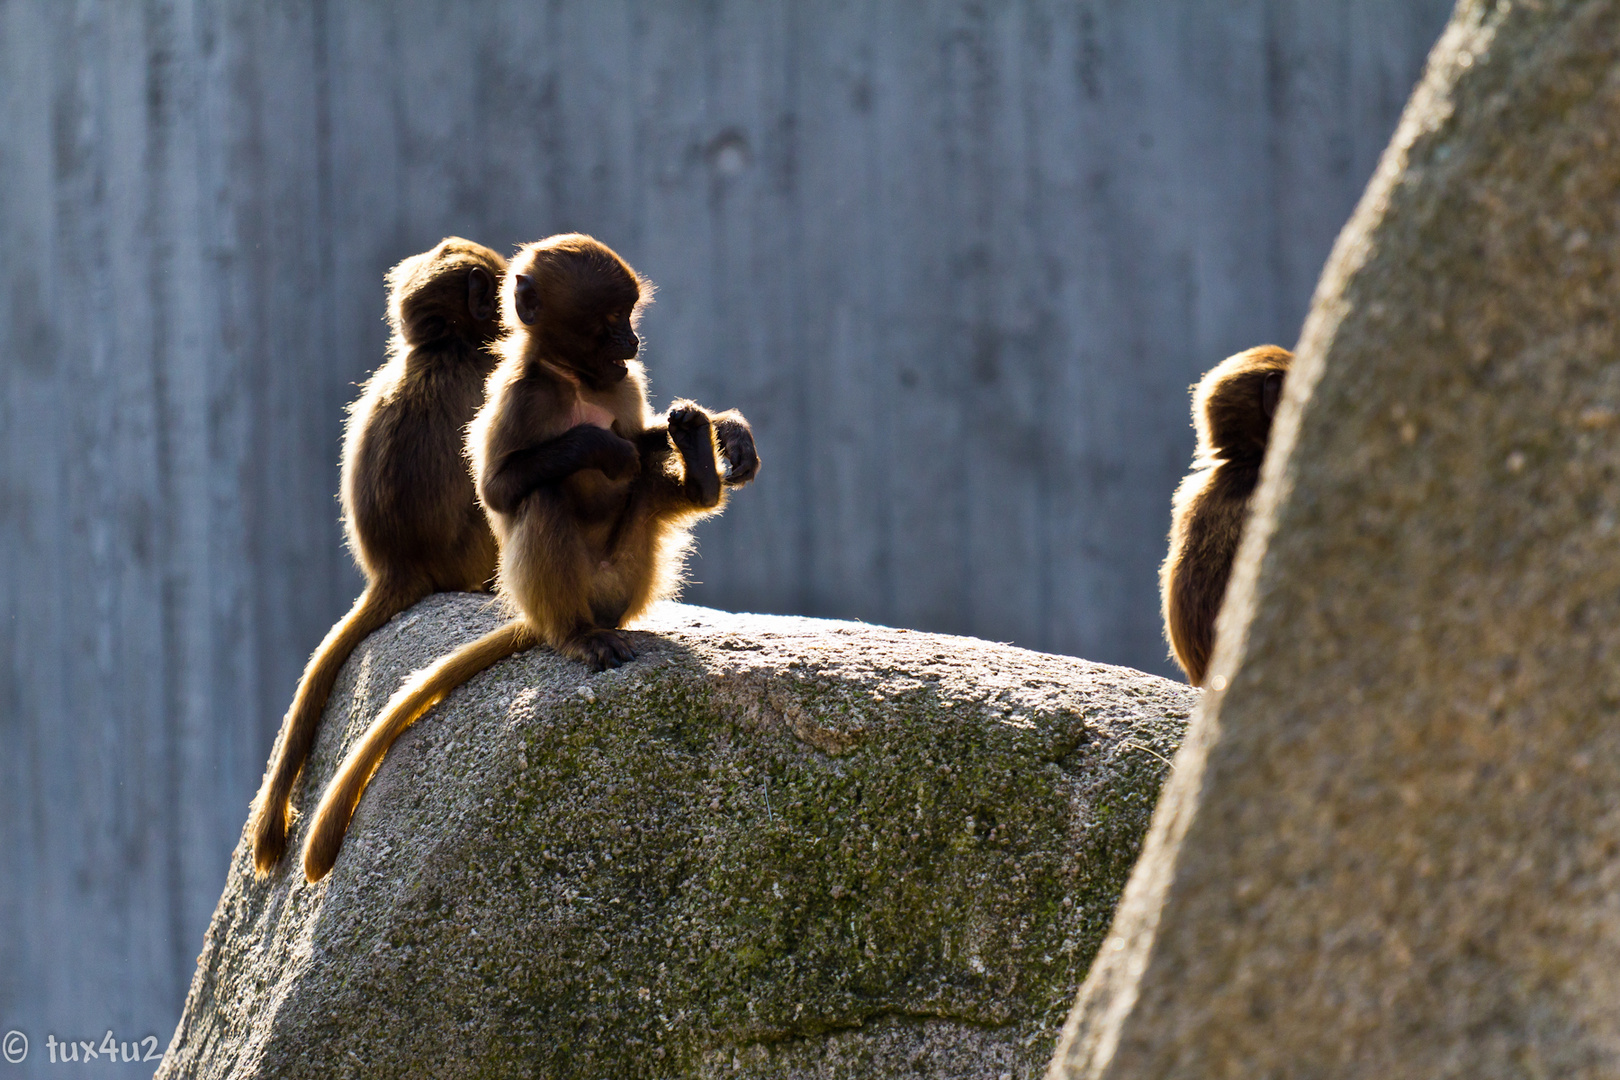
x=420, y=693
x=269, y=815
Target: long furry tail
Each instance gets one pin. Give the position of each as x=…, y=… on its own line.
x=420, y=693
x=269, y=814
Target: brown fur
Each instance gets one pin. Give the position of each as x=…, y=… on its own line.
x=409, y=509
x=590, y=493
x=1232, y=410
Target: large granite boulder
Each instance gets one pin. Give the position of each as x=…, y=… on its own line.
x=1391, y=847
x=769, y=847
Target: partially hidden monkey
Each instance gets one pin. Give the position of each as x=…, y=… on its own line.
x=590, y=493
x=1232, y=409
x=410, y=511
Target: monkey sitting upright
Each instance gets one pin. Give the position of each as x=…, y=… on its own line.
x=409, y=508
x=590, y=493
x=1232, y=409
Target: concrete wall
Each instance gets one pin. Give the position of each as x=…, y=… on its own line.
x=957, y=261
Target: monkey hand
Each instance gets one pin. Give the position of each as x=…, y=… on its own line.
x=685, y=420
x=618, y=458
x=598, y=448
x=693, y=435
x=736, y=441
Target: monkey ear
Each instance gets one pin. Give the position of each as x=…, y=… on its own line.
x=480, y=294
x=527, y=298
x=1271, y=393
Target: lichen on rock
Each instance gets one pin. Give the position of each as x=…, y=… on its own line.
x=769, y=847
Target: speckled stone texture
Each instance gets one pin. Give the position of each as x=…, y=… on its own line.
x=769, y=847
x=1391, y=848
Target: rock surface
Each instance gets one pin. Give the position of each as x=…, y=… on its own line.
x=770, y=847
x=1391, y=847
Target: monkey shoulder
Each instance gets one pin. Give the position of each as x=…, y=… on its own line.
x=537, y=404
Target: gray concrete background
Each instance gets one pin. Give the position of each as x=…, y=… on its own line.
x=957, y=261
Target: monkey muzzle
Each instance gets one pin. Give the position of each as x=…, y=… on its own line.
x=602, y=376
x=626, y=344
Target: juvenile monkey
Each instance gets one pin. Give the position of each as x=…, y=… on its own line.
x=1232, y=409
x=409, y=508
x=591, y=494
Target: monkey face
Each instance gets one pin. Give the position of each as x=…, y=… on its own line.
x=594, y=337
x=599, y=351
x=618, y=338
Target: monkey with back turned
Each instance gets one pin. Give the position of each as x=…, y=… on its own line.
x=591, y=494
x=410, y=512
x=1233, y=406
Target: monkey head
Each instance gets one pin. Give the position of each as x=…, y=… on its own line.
x=1234, y=403
x=448, y=293
x=578, y=303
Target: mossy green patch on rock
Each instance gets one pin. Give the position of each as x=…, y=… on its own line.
x=769, y=847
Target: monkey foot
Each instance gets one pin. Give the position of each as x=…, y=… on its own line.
x=600, y=649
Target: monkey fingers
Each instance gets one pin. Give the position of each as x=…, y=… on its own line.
x=736, y=441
